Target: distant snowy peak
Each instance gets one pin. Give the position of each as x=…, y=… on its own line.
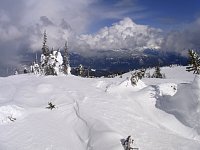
x=125, y=34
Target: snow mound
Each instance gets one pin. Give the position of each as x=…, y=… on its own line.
x=167, y=89
x=126, y=86
x=10, y=113
x=185, y=104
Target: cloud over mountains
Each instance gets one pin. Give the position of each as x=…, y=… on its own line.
x=122, y=35
x=181, y=40
x=23, y=22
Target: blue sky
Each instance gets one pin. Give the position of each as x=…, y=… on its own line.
x=168, y=12
x=164, y=14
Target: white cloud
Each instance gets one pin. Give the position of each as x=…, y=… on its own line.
x=180, y=41
x=9, y=32
x=73, y=11
x=58, y=33
x=23, y=22
x=26, y=20
x=125, y=34
x=3, y=17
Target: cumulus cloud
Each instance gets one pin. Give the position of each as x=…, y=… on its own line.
x=122, y=35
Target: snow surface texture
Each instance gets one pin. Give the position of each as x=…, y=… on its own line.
x=185, y=104
x=97, y=114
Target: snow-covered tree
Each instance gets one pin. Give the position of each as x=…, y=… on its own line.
x=45, y=49
x=16, y=72
x=55, y=63
x=81, y=70
x=137, y=75
x=157, y=73
x=66, y=63
x=128, y=144
x=194, y=62
x=141, y=73
x=45, y=68
x=134, y=79
x=35, y=68
x=51, y=62
x=25, y=70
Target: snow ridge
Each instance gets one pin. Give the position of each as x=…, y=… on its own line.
x=98, y=113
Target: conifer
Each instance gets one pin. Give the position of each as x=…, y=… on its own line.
x=194, y=62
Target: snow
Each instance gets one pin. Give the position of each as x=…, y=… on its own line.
x=185, y=104
x=9, y=111
x=126, y=85
x=99, y=113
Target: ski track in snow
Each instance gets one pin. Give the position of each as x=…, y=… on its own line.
x=92, y=114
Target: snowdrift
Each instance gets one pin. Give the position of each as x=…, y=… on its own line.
x=185, y=104
x=97, y=114
x=126, y=85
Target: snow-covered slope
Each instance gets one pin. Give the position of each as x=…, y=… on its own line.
x=97, y=114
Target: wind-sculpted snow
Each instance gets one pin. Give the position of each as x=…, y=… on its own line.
x=125, y=85
x=93, y=113
x=185, y=104
x=167, y=89
x=40, y=128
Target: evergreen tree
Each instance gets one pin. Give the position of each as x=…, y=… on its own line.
x=157, y=73
x=81, y=70
x=134, y=79
x=54, y=63
x=35, y=68
x=66, y=63
x=136, y=76
x=141, y=73
x=194, y=62
x=51, y=62
x=46, y=70
x=128, y=144
x=45, y=49
x=51, y=106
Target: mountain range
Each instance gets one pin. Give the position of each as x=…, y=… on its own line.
x=106, y=62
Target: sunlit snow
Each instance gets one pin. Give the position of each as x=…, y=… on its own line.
x=98, y=113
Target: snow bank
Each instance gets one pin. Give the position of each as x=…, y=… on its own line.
x=185, y=104
x=88, y=118
x=167, y=89
x=126, y=86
